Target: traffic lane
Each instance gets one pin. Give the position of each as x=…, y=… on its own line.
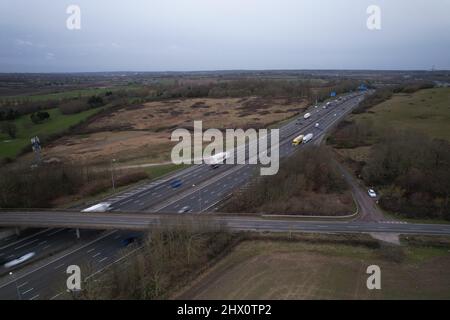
x=206, y=197
x=41, y=243
x=147, y=201
x=121, y=198
x=351, y=227
x=24, y=235
x=37, y=281
x=46, y=244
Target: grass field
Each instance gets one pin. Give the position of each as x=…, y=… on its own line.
x=427, y=111
x=26, y=129
x=299, y=270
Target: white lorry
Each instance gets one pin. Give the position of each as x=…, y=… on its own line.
x=307, y=138
x=217, y=159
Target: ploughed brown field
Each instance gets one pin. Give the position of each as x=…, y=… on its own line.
x=298, y=270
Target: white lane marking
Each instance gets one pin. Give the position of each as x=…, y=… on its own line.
x=90, y=250
x=46, y=247
x=59, y=266
x=23, y=284
x=26, y=244
x=26, y=238
x=25, y=292
x=56, y=296
x=101, y=260
x=96, y=255
x=34, y=297
x=54, y=232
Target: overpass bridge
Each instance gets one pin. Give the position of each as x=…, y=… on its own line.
x=143, y=221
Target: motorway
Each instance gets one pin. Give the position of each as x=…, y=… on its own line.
x=203, y=189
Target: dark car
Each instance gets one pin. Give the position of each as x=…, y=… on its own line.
x=176, y=183
x=130, y=240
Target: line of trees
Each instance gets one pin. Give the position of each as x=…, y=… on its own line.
x=303, y=185
x=170, y=256
x=22, y=187
x=414, y=172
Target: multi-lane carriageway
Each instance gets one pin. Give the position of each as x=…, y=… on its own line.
x=202, y=190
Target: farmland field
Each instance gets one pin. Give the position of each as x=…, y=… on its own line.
x=26, y=129
x=427, y=111
x=298, y=270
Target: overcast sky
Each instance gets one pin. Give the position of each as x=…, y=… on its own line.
x=163, y=35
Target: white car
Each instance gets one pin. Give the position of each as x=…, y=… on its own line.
x=372, y=193
x=99, y=207
x=185, y=209
x=316, y=125
x=20, y=260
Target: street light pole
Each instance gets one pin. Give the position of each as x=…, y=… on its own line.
x=17, y=288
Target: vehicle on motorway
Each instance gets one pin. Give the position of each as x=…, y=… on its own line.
x=372, y=193
x=217, y=159
x=20, y=260
x=99, y=207
x=175, y=183
x=316, y=125
x=185, y=209
x=307, y=115
x=130, y=240
x=328, y=104
x=308, y=137
x=298, y=140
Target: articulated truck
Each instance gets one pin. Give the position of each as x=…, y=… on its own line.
x=217, y=159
